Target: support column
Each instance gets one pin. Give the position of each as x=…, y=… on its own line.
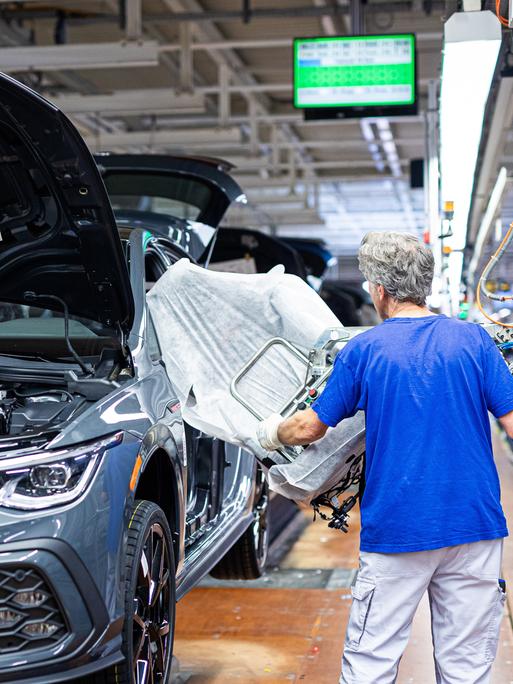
x=186, y=64
x=224, y=94
x=133, y=19
x=356, y=15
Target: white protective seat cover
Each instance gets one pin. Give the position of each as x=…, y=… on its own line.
x=209, y=325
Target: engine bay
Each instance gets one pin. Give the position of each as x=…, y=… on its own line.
x=28, y=409
x=40, y=397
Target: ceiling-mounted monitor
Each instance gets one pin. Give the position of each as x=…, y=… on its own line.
x=348, y=76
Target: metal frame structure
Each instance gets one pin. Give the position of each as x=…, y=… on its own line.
x=214, y=85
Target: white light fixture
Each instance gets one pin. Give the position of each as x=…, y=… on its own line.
x=129, y=102
x=486, y=223
x=79, y=56
x=161, y=139
x=471, y=46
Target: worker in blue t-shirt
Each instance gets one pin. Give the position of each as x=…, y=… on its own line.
x=431, y=513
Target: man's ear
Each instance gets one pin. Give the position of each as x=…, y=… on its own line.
x=381, y=292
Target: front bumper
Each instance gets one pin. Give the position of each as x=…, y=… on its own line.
x=76, y=553
x=88, y=641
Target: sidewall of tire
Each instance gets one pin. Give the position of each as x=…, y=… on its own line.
x=152, y=513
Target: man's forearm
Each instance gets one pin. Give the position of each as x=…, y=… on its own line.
x=300, y=429
x=294, y=432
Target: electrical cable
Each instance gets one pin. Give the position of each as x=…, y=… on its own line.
x=43, y=393
x=502, y=19
x=32, y=296
x=484, y=277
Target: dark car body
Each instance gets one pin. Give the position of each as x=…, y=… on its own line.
x=350, y=304
x=264, y=251
x=316, y=256
x=78, y=445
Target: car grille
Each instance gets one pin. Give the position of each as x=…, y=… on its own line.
x=30, y=616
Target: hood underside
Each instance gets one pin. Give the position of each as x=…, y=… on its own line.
x=58, y=235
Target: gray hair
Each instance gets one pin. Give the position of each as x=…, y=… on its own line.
x=399, y=262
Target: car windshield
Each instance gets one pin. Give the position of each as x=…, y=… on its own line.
x=34, y=331
x=160, y=193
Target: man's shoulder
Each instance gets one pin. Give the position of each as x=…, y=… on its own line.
x=361, y=338
x=445, y=325
x=464, y=328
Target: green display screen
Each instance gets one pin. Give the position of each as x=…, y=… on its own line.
x=354, y=71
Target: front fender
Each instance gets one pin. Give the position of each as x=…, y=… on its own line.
x=165, y=440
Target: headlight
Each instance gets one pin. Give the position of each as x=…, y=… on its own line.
x=53, y=478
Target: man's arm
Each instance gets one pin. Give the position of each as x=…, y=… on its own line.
x=339, y=400
x=304, y=427
x=507, y=423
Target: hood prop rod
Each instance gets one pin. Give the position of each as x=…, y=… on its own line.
x=30, y=296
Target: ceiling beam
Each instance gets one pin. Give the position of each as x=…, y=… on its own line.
x=270, y=43
x=290, y=118
x=202, y=16
x=240, y=74
x=246, y=164
x=188, y=142
x=258, y=183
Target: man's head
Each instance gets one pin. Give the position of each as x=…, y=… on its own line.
x=399, y=268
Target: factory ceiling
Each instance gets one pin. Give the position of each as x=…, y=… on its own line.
x=214, y=77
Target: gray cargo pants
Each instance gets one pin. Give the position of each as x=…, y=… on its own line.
x=466, y=601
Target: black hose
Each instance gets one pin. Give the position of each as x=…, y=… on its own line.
x=32, y=296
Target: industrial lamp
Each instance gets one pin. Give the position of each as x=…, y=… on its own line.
x=472, y=42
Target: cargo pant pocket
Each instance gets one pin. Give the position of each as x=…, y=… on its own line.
x=492, y=636
x=363, y=592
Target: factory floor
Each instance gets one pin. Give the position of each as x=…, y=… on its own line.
x=289, y=626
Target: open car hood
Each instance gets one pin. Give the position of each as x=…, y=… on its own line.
x=183, y=198
x=58, y=235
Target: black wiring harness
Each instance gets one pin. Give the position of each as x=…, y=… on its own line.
x=338, y=519
x=7, y=406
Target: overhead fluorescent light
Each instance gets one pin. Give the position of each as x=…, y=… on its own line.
x=79, y=56
x=472, y=42
x=128, y=102
x=486, y=223
x=162, y=139
x=303, y=219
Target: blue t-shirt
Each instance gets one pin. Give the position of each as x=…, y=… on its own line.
x=426, y=386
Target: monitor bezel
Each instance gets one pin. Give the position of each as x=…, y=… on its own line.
x=338, y=111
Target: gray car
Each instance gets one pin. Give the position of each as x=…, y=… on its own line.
x=111, y=508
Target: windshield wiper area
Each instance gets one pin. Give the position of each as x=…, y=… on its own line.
x=32, y=370
x=56, y=375
x=32, y=296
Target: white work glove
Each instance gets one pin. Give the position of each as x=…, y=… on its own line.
x=267, y=432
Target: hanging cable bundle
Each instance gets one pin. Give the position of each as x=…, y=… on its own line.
x=493, y=261
x=502, y=19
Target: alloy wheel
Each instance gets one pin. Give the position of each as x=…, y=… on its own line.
x=151, y=626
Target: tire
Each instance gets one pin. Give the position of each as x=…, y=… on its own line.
x=247, y=558
x=149, y=537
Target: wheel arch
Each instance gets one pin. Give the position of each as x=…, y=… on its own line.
x=159, y=482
